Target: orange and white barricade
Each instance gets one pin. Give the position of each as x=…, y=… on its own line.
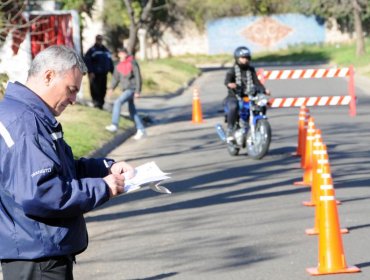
x=348, y=99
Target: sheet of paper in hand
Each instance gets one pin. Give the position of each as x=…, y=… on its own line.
x=148, y=173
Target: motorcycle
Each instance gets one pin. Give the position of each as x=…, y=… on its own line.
x=252, y=130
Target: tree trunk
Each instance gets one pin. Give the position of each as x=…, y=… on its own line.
x=135, y=26
x=360, y=42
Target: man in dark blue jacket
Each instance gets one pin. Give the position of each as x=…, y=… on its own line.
x=44, y=192
x=99, y=63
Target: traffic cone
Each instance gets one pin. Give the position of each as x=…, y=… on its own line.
x=197, y=108
x=331, y=253
x=317, y=152
x=307, y=160
x=316, y=189
x=303, y=115
x=303, y=139
x=322, y=172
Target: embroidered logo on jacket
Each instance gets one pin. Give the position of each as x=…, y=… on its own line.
x=41, y=171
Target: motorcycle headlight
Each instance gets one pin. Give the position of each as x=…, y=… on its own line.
x=262, y=100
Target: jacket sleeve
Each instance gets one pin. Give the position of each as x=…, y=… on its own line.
x=137, y=75
x=46, y=188
x=88, y=61
x=230, y=76
x=111, y=65
x=93, y=167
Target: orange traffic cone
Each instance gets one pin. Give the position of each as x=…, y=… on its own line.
x=331, y=253
x=322, y=173
x=307, y=159
x=303, y=115
x=197, y=108
x=316, y=183
x=317, y=152
x=303, y=139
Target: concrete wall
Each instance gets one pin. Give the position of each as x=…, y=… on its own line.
x=258, y=33
x=224, y=34
x=263, y=33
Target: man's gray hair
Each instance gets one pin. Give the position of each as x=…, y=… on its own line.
x=58, y=58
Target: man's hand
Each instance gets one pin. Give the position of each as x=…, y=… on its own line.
x=231, y=85
x=122, y=167
x=115, y=182
x=137, y=94
x=109, y=93
x=268, y=92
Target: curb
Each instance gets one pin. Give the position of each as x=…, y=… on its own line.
x=119, y=138
x=112, y=144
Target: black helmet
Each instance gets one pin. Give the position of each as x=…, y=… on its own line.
x=242, y=52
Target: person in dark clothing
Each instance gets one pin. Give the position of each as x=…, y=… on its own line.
x=44, y=191
x=99, y=63
x=239, y=80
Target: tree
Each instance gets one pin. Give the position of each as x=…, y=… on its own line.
x=349, y=14
x=138, y=18
x=357, y=9
x=124, y=18
x=11, y=19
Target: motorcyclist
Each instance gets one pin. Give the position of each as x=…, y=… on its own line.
x=239, y=80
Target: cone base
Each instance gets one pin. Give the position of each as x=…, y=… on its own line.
x=309, y=203
x=197, y=121
x=295, y=154
x=312, y=231
x=301, y=183
x=350, y=269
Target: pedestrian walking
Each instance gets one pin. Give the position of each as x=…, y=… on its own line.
x=127, y=76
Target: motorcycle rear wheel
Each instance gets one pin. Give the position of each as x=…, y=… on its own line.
x=257, y=148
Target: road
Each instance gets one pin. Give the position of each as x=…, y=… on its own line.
x=231, y=217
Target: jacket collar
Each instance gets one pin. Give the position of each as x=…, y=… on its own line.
x=24, y=95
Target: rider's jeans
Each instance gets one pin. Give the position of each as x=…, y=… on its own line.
x=126, y=96
x=232, y=114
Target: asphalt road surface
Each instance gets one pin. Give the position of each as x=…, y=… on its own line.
x=232, y=217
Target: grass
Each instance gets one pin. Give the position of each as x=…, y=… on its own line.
x=165, y=76
x=84, y=128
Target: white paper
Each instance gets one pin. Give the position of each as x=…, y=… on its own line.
x=144, y=174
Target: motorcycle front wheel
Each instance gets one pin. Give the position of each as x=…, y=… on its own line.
x=258, y=147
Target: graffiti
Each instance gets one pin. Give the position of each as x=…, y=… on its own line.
x=266, y=31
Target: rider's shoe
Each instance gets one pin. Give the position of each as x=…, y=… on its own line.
x=230, y=135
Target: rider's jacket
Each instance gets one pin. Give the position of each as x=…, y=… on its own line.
x=44, y=191
x=244, y=76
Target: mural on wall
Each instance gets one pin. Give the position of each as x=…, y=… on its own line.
x=263, y=33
